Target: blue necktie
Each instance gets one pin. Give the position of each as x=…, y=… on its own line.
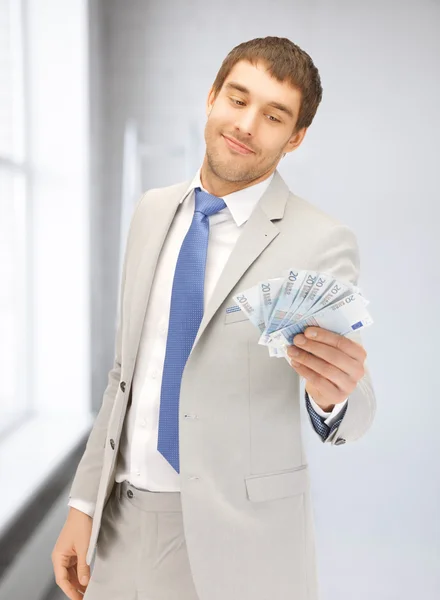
x=187, y=301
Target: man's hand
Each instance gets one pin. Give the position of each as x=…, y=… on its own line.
x=331, y=364
x=69, y=555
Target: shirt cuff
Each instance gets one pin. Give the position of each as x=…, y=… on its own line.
x=86, y=507
x=330, y=417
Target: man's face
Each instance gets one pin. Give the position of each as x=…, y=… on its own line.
x=256, y=110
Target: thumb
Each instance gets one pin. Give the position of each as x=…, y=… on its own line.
x=313, y=392
x=83, y=569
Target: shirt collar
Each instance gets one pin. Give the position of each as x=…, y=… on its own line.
x=241, y=203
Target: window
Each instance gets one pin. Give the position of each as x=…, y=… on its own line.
x=14, y=238
x=45, y=407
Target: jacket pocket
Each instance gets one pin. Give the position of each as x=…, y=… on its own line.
x=273, y=486
x=235, y=317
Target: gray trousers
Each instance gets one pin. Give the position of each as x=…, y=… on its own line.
x=141, y=551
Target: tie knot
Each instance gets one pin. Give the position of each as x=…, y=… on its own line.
x=207, y=203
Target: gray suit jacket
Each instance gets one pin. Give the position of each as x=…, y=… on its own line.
x=244, y=479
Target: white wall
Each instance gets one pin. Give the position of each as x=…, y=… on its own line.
x=369, y=159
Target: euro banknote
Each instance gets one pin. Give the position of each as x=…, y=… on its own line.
x=282, y=307
x=269, y=293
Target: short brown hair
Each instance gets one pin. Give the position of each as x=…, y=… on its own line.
x=286, y=61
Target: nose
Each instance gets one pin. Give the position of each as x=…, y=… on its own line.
x=246, y=122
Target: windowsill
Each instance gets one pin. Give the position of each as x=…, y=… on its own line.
x=30, y=454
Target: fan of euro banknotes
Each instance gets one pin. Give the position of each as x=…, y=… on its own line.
x=281, y=308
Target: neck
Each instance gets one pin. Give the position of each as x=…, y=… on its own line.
x=220, y=187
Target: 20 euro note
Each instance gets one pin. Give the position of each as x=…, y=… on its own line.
x=270, y=290
x=335, y=292
x=289, y=289
x=310, y=291
x=342, y=317
x=250, y=304
x=309, y=297
x=303, y=292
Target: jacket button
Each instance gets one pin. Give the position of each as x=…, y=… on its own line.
x=130, y=494
x=112, y=444
x=122, y=386
x=340, y=442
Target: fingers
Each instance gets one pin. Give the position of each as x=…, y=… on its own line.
x=339, y=378
x=305, y=350
x=68, y=588
x=61, y=566
x=325, y=388
x=83, y=569
x=73, y=578
x=340, y=342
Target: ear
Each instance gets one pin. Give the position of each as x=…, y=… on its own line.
x=210, y=101
x=295, y=140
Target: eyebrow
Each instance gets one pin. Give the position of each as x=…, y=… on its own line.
x=241, y=88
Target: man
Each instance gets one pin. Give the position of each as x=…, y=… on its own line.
x=194, y=484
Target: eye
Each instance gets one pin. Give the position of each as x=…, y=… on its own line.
x=237, y=102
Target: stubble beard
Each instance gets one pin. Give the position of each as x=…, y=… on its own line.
x=226, y=170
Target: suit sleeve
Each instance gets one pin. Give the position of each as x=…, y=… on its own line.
x=337, y=253
x=84, y=488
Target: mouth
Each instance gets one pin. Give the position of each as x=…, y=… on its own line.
x=237, y=146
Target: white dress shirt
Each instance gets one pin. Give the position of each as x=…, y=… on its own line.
x=139, y=461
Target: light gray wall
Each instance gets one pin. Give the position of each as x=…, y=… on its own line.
x=371, y=159
x=100, y=329
x=117, y=89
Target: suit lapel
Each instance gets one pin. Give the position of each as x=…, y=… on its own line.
x=257, y=234
x=161, y=212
